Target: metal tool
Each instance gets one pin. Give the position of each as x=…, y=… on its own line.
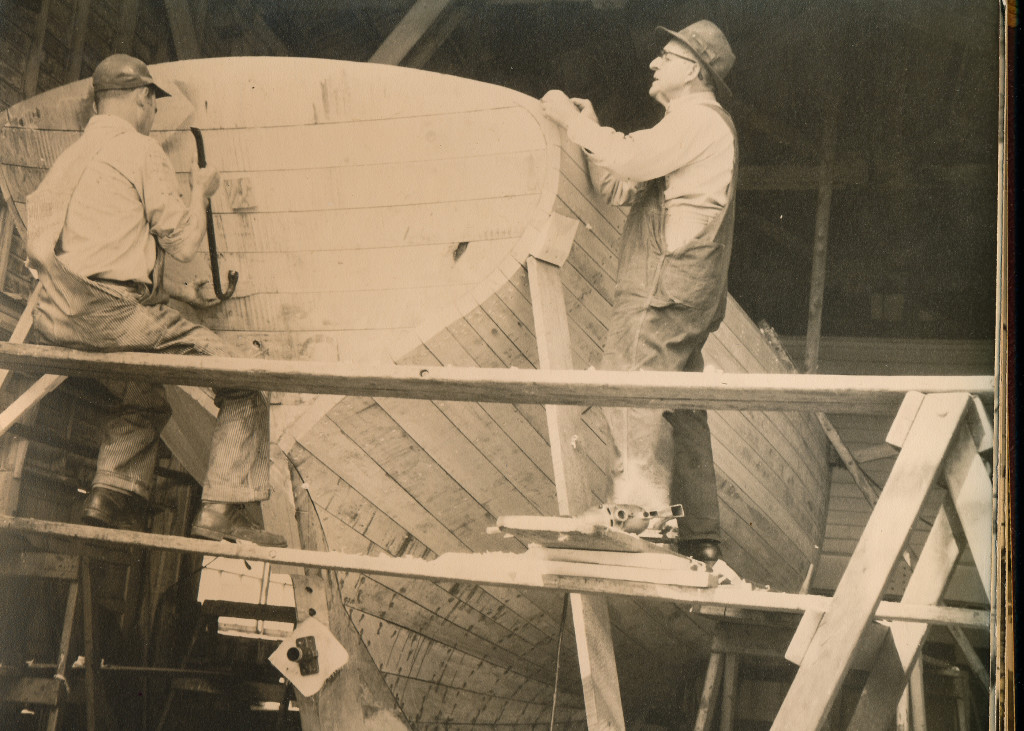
x=210, y=237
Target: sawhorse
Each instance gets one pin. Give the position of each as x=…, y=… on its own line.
x=940, y=437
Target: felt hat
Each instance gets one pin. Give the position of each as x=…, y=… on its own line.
x=709, y=44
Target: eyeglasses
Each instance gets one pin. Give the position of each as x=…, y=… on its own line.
x=666, y=55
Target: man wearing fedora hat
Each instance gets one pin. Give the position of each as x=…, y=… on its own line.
x=679, y=177
x=99, y=225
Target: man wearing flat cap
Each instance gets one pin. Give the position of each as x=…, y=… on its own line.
x=679, y=177
x=99, y=227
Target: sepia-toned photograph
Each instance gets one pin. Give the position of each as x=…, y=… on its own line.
x=385, y=365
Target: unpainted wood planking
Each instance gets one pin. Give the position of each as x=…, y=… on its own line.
x=477, y=220
x=373, y=273
x=480, y=133
x=394, y=457
x=426, y=603
x=394, y=184
x=449, y=351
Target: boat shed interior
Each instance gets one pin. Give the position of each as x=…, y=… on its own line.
x=868, y=233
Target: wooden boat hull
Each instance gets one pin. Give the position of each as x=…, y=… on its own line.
x=381, y=214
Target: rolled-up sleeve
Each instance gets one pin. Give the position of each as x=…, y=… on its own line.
x=166, y=212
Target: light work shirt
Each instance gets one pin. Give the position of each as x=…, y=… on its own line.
x=126, y=203
x=692, y=147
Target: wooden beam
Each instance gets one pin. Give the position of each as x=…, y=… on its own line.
x=750, y=391
x=80, y=27
x=28, y=400
x=888, y=678
x=423, y=51
x=829, y=655
x=13, y=449
x=969, y=654
x=864, y=483
x=30, y=81
x=183, y=30
x=7, y=226
x=598, y=669
x=410, y=29
x=495, y=569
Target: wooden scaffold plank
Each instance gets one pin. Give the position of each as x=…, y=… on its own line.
x=647, y=389
x=495, y=569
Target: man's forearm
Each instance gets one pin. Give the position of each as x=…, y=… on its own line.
x=185, y=245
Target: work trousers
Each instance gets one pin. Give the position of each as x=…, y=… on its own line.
x=661, y=457
x=110, y=317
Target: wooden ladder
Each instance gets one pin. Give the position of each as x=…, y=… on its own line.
x=940, y=437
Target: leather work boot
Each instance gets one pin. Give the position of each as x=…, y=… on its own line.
x=701, y=549
x=109, y=508
x=229, y=522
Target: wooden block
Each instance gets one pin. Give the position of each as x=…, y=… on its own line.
x=971, y=490
x=556, y=239
x=647, y=566
x=802, y=637
x=904, y=419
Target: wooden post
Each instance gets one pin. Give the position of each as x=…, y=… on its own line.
x=589, y=612
x=709, y=694
x=30, y=82
x=70, y=611
x=80, y=27
x=859, y=591
x=917, y=711
x=6, y=237
x=729, y=678
x=821, y=220
x=903, y=711
x=89, y=646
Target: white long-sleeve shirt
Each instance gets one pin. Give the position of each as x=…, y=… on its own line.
x=692, y=147
x=127, y=202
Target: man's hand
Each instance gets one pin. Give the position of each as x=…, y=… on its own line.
x=585, y=108
x=559, y=108
x=205, y=180
x=198, y=293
